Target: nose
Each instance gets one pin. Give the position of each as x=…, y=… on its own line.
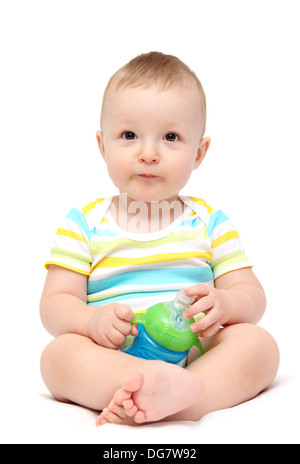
x=149, y=154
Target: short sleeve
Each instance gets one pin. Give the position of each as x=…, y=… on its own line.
x=228, y=253
x=71, y=247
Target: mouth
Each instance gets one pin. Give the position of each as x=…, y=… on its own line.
x=147, y=176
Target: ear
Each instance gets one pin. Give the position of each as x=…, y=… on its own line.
x=202, y=150
x=99, y=137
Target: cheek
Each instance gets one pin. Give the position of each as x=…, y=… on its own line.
x=116, y=178
x=181, y=170
x=116, y=167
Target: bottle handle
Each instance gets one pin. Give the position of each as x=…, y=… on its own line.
x=198, y=344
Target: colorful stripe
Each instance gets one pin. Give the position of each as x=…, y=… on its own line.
x=66, y=266
x=153, y=259
x=151, y=277
x=224, y=238
x=105, y=247
x=91, y=205
x=133, y=296
x=137, y=269
x=69, y=233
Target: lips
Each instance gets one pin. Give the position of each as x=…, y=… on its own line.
x=147, y=176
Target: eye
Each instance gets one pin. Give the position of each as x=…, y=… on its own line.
x=171, y=137
x=128, y=135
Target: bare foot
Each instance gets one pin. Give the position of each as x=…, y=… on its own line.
x=115, y=412
x=153, y=393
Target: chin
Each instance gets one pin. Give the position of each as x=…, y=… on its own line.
x=150, y=194
x=150, y=198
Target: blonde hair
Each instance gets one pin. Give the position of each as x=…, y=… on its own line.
x=154, y=68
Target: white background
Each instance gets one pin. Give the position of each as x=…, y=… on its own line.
x=56, y=58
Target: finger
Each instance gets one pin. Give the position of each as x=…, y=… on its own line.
x=209, y=320
x=122, y=326
x=134, y=330
x=116, y=338
x=198, y=290
x=107, y=343
x=201, y=306
x=124, y=312
x=210, y=331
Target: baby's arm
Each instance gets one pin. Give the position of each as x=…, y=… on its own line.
x=64, y=309
x=237, y=297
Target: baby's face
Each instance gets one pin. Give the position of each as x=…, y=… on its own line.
x=151, y=140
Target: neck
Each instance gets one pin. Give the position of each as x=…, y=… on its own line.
x=138, y=216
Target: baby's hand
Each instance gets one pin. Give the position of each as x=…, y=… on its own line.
x=208, y=300
x=110, y=325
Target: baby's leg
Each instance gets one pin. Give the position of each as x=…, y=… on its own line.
x=240, y=362
x=75, y=369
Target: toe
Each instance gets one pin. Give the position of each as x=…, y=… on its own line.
x=133, y=382
x=113, y=418
x=118, y=410
x=140, y=417
x=128, y=403
x=131, y=411
x=101, y=420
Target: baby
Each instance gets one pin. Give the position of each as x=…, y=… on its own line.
x=120, y=255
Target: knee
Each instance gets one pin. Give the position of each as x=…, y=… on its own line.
x=269, y=348
x=51, y=363
x=267, y=354
x=261, y=341
x=257, y=347
x=50, y=355
x=261, y=348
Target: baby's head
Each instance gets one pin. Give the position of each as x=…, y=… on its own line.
x=155, y=69
x=152, y=125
